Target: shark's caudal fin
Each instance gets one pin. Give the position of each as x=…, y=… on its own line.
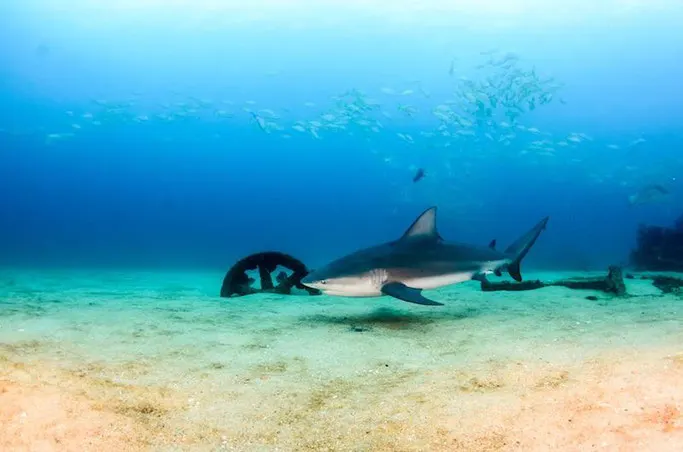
x=521, y=247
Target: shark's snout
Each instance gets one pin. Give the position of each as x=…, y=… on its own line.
x=310, y=280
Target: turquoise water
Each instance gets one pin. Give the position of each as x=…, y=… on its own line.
x=126, y=317
x=244, y=365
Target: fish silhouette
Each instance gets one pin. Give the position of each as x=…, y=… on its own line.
x=419, y=175
x=648, y=194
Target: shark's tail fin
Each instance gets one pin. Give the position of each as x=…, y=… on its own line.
x=521, y=247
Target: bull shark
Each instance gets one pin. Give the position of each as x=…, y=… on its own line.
x=420, y=259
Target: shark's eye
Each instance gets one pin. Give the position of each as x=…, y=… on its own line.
x=323, y=281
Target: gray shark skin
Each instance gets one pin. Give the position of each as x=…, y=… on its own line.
x=419, y=260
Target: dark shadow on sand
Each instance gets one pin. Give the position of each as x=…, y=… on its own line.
x=388, y=318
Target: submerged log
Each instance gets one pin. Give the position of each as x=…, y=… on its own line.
x=582, y=283
x=613, y=283
x=488, y=286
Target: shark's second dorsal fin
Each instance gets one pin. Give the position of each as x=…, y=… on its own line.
x=424, y=226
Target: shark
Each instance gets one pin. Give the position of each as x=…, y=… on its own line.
x=420, y=259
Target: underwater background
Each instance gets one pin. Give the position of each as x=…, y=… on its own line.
x=145, y=146
x=188, y=134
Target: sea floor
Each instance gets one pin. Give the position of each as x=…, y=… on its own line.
x=137, y=361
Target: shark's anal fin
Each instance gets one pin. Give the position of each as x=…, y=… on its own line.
x=409, y=294
x=481, y=277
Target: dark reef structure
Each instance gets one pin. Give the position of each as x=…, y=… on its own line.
x=659, y=248
x=236, y=282
x=667, y=284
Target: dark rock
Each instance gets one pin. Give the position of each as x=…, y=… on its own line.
x=668, y=284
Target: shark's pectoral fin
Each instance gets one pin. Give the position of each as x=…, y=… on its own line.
x=409, y=294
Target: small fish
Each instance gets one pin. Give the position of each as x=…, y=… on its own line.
x=648, y=194
x=261, y=123
x=419, y=175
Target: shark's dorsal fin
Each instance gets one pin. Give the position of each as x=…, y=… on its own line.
x=492, y=244
x=423, y=227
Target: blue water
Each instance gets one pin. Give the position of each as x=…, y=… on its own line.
x=202, y=191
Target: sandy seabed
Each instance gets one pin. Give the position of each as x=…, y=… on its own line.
x=130, y=362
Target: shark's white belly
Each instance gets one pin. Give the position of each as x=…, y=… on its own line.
x=371, y=286
x=436, y=281
x=356, y=292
